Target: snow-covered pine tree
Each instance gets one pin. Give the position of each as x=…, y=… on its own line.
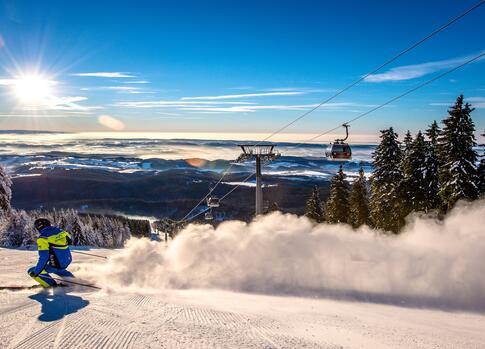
x=337, y=208
x=385, y=200
x=89, y=235
x=314, y=207
x=71, y=222
x=20, y=231
x=458, y=174
x=5, y=193
x=359, y=202
x=407, y=142
x=481, y=169
x=415, y=183
x=5, y=197
x=432, y=167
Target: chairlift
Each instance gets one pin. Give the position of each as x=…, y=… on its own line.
x=339, y=150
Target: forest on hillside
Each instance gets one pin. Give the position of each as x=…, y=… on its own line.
x=428, y=173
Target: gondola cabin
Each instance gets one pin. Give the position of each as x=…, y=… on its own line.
x=213, y=202
x=339, y=150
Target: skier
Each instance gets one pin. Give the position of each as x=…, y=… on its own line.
x=54, y=254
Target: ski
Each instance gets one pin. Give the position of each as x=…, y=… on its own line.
x=71, y=283
x=19, y=288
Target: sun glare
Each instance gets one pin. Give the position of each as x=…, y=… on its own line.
x=32, y=89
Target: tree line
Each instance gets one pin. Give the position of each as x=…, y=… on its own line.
x=428, y=172
x=17, y=226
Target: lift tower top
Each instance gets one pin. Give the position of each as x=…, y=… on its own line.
x=259, y=153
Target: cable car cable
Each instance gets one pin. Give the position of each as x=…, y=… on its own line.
x=348, y=87
x=376, y=108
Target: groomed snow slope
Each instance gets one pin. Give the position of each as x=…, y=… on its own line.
x=82, y=318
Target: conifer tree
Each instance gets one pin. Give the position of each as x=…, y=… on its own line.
x=385, y=199
x=432, y=167
x=481, y=169
x=5, y=193
x=337, y=208
x=415, y=182
x=407, y=142
x=314, y=208
x=359, y=202
x=458, y=174
x=273, y=207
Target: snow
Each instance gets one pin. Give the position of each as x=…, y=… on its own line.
x=262, y=285
x=249, y=184
x=197, y=318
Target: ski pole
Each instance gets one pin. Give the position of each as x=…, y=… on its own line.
x=71, y=282
x=89, y=254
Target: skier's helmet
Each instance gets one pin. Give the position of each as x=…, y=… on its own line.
x=41, y=223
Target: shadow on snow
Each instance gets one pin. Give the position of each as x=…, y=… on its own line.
x=56, y=306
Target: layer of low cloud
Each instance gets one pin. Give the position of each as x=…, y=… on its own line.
x=414, y=71
x=431, y=263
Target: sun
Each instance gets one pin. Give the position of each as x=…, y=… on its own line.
x=32, y=89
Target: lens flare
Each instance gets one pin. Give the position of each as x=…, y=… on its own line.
x=111, y=122
x=196, y=162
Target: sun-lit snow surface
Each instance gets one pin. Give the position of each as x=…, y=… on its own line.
x=197, y=318
x=288, y=284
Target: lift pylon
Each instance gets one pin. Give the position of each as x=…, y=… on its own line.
x=259, y=153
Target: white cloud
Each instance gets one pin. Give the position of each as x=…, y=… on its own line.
x=125, y=89
x=72, y=99
x=252, y=108
x=408, y=72
x=246, y=95
x=106, y=75
x=476, y=102
x=121, y=89
x=61, y=103
x=118, y=88
x=136, y=82
x=281, y=89
x=212, y=107
x=137, y=92
x=302, y=89
x=248, y=109
x=174, y=103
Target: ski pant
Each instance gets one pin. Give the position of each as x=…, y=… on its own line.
x=45, y=279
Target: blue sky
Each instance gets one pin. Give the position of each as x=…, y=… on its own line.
x=233, y=66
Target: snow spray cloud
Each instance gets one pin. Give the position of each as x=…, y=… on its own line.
x=439, y=262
